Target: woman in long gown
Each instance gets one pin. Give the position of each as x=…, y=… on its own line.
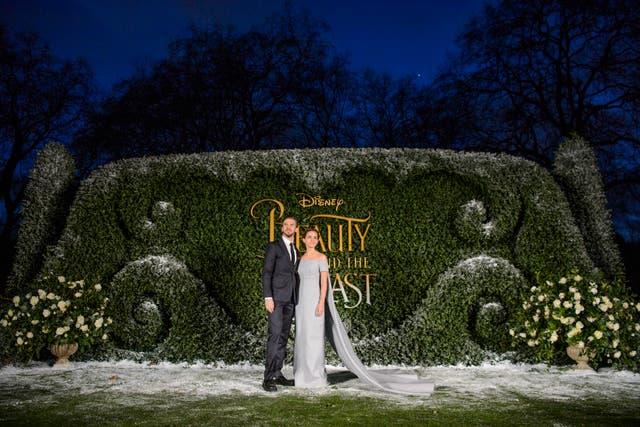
x=308, y=360
x=317, y=317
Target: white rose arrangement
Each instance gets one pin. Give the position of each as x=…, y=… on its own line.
x=598, y=316
x=57, y=311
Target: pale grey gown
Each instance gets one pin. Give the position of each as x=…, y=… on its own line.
x=308, y=356
x=308, y=359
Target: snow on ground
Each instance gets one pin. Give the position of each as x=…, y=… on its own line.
x=464, y=385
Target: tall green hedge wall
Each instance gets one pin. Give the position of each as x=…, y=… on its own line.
x=47, y=198
x=575, y=167
x=453, y=239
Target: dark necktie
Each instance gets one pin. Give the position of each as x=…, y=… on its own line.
x=293, y=254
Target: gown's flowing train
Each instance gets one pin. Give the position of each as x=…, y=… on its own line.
x=337, y=335
x=309, y=362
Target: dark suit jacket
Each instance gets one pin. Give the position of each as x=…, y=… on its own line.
x=279, y=276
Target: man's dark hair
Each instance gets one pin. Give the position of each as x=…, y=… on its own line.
x=290, y=217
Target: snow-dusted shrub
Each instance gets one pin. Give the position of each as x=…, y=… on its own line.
x=431, y=212
x=576, y=168
x=43, y=209
x=159, y=307
x=472, y=223
x=462, y=317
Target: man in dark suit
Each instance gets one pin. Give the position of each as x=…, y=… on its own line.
x=279, y=287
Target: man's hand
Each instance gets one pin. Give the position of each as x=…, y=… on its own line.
x=269, y=305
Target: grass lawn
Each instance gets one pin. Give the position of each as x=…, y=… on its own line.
x=127, y=393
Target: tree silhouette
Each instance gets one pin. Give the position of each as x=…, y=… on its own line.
x=279, y=86
x=41, y=99
x=531, y=73
x=389, y=111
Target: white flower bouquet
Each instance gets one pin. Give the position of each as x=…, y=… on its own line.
x=57, y=311
x=600, y=317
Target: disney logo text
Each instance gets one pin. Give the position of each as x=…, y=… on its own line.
x=307, y=201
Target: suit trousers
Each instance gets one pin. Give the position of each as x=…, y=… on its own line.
x=278, y=327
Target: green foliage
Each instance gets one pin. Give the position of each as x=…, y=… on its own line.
x=454, y=238
x=463, y=315
x=593, y=314
x=44, y=208
x=56, y=311
x=157, y=300
x=576, y=168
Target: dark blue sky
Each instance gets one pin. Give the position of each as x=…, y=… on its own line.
x=400, y=37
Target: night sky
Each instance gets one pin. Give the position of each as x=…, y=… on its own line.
x=399, y=37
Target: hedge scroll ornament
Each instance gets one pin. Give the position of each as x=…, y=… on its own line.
x=173, y=241
x=158, y=306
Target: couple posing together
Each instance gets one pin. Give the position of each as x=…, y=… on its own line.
x=300, y=285
x=284, y=294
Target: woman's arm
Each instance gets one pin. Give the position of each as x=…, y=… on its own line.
x=324, y=279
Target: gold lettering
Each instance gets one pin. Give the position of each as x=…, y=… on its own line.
x=307, y=201
x=362, y=236
x=367, y=284
x=338, y=282
x=358, y=262
x=329, y=238
x=331, y=241
x=351, y=223
x=323, y=248
x=298, y=237
x=348, y=280
x=335, y=263
x=272, y=215
x=358, y=291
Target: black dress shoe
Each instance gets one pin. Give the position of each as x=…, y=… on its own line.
x=283, y=381
x=269, y=385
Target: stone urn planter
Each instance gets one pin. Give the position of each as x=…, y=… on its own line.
x=580, y=356
x=62, y=352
